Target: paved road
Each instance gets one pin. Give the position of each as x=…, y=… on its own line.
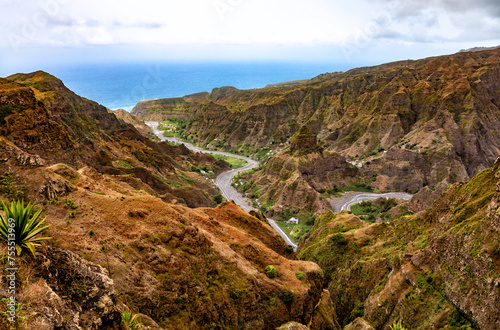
x=223, y=181
x=339, y=204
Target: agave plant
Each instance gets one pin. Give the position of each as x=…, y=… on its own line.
x=26, y=225
x=397, y=326
x=130, y=320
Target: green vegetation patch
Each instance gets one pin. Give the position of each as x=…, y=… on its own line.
x=295, y=231
x=9, y=187
x=368, y=210
x=169, y=183
x=123, y=164
x=172, y=127
x=271, y=271
x=232, y=161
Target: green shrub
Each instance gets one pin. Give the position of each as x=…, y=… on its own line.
x=397, y=326
x=338, y=240
x=217, y=199
x=55, y=200
x=130, y=320
x=271, y=271
x=309, y=219
x=69, y=204
x=300, y=275
x=8, y=186
x=25, y=225
x=237, y=294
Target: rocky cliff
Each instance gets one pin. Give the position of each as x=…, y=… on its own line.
x=436, y=269
x=414, y=123
x=127, y=118
x=132, y=227
x=44, y=118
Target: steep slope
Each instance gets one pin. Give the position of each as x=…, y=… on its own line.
x=43, y=117
x=127, y=118
x=414, y=123
x=182, y=268
x=291, y=180
x=439, y=268
x=116, y=244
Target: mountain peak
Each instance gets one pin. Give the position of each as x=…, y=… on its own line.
x=304, y=142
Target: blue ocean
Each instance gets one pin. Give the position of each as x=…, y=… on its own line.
x=121, y=86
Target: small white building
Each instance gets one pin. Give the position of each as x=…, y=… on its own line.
x=293, y=220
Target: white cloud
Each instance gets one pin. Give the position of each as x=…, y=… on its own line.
x=191, y=21
x=244, y=28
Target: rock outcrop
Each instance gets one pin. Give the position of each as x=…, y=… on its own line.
x=437, y=268
x=49, y=124
x=65, y=291
x=414, y=123
x=128, y=118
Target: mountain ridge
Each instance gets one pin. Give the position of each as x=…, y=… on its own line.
x=134, y=226
x=413, y=124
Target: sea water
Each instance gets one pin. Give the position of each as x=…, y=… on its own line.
x=121, y=86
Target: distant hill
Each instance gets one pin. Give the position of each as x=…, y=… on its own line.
x=407, y=124
x=128, y=118
x=478, y=49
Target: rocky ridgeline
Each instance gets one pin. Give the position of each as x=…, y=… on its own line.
x=415, y=123
x=132, y=227
x=437, y=268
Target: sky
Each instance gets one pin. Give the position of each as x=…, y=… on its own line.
x=357, y=32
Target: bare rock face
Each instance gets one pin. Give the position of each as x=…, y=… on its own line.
x=423, y=200
x=359, y=324
x=304, y=142
x=53, y=188
x=325, y=317
x=400, y=270
x=15, y=156
x=72, y=293
x=293, y=326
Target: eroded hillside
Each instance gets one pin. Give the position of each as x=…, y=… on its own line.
x=125, y=230
x=414, y=123
x=42, y=117
x=438, y=269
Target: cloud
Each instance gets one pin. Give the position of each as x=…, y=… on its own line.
x=255, y=28
x=430, y=21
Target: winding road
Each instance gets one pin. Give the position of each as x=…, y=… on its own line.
x=223, y=181
x=345, y=202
